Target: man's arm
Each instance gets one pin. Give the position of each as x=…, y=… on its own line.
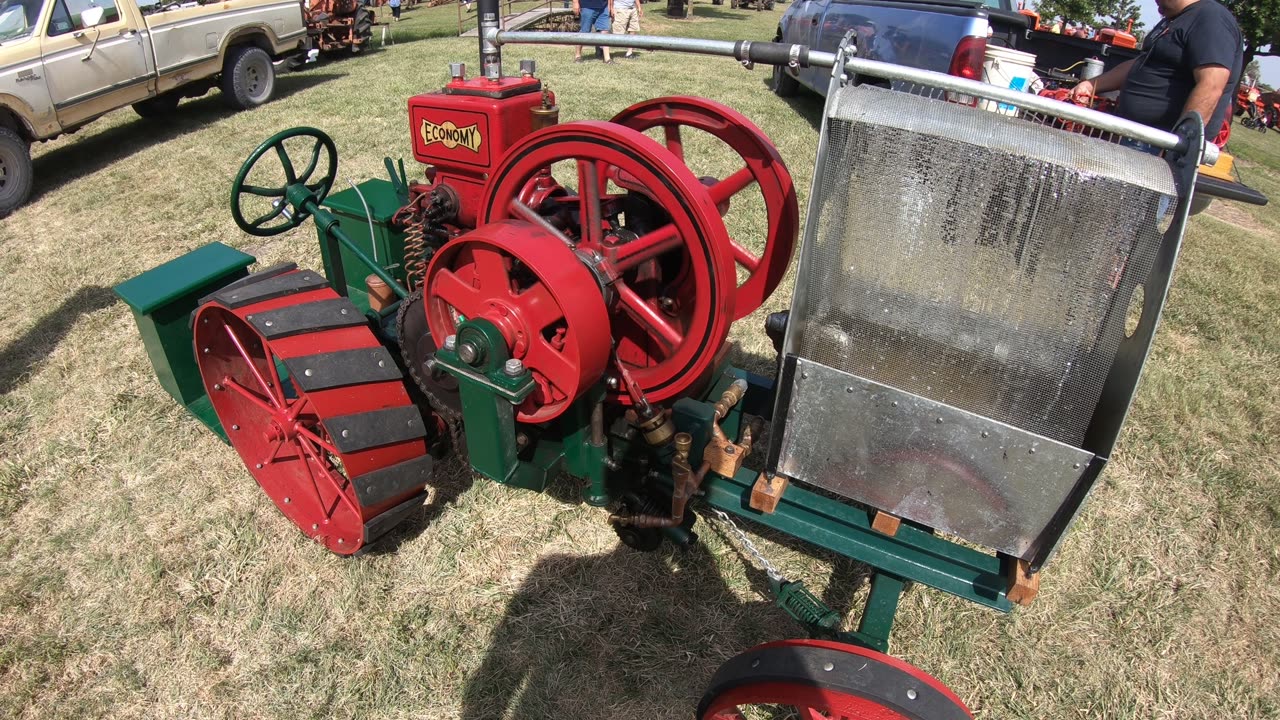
x=1112, y=79
x=1211, y=82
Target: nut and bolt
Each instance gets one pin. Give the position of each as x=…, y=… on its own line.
x=451, y=343
x=513, y=367
x=612, y=381
x=528, y=67
x=458, y=71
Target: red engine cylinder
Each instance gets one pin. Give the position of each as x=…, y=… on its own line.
x=463, y=130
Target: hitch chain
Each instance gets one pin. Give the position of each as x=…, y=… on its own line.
x=769, y=569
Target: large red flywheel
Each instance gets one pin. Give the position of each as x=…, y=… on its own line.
x=314, y=405
x=762, y=166
x=823, y=680
x=657, y=247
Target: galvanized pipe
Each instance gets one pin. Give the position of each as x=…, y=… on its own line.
x=778, y=54
x=490, y=50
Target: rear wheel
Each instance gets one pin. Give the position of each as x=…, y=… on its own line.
x=363, y=30
x=782, y=84
x=15, y=171
x=248, y=78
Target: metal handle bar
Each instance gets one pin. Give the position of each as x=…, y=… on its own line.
x=770, y=53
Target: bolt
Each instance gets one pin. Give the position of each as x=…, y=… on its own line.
x=235, y=427
x=1032, y=451
x=804, y=375
x=315, y=526
x=216, y=386
x=521, y=440
x=755, y=663
x=344, y=311
x=985, y=433
x=612, y=382
x=287, y=501
x=457, y=71
x=346, y=433
x=268, y=323
x=828, y=666
x=470, y=353
x=849, y=390
x=939, y=421
x=912, y=694
x=450, y=342
x=1075, y=466
x=728, y=451
x=308, y=372
x=513, y=367
x=206, y=351
x=382, y=363
x=258, y=466
x=341, y=541
x=528, y=67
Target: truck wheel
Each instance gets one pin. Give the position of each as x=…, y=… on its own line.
x=363, y=29
x=158, y=106
x=15, y=171
x=782, y=84
x=248, y=78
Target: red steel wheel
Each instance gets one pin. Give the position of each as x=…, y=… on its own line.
x=824, y=680
x=314, y=405
x=669, y=285
x=762, y=166
x=539, y=295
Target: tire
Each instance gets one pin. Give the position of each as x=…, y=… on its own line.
x=248, y=78
x=363, y=29
x=157, y=107
x=782, y=84
x=16, y=173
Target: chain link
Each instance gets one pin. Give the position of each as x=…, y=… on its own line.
x=769, y=569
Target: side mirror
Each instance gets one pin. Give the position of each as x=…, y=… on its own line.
x=92, y=17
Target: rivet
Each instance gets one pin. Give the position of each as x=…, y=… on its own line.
x=307, y=372
x=315, y=526
x=216, y=386
x=235, y=427
x=1032, y=451
x=849, y=390
x=912, y=694
x=344, y=311
x=985, y=433
x=346, y=433
x=755, y=663
x=341, y=541
x=268, y=323
x=206, y=351
x=894, y=403
x=258, y=466
x=248, y=317
x=287, y=501
x=804, y=375
x=1075, y=466
x=382, y=363
x=828, y=666
x=939, y=421
x=205, y=321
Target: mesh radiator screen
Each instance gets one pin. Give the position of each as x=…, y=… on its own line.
x=976, y=259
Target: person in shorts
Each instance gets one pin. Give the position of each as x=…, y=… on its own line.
x=626, y=19
x=595, y=16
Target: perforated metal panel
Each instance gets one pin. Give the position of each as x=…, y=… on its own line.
x=963, y=267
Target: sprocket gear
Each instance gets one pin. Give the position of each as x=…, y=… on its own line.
x=417, y=349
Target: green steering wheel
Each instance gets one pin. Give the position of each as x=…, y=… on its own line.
x=299, y=190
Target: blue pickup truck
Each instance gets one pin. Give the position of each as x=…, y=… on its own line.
x=949, y=36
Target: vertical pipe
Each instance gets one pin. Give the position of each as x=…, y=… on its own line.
x=490, y=53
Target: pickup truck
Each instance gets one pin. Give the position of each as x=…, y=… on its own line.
x=64, y=63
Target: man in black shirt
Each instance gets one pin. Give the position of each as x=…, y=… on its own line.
x=1188, y=62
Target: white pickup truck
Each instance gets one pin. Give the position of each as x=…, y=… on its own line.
x=64, y=63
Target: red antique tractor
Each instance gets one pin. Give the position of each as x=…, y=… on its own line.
x=554, y=299
x=336, y=25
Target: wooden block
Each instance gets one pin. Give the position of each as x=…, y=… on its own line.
x=766, y=493
x=885, y=524
x=1023, y=585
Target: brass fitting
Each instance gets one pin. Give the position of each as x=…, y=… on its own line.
x=546, y=115
x=730, y=397
x=684, y=443
x=657, y=428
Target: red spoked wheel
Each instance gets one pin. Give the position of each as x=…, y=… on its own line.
x=821, y=680
x=762, y=166
x=539, y=295
x=658, y=248
x=314, y=405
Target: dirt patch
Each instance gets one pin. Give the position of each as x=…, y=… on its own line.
x=1232, y=213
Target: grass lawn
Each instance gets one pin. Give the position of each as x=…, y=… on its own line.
x=143, y=574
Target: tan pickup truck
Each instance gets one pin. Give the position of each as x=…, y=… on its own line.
x=64, y=63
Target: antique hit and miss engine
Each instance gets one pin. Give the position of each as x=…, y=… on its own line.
x=960, y=353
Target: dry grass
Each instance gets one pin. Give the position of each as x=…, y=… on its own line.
x=142, y=574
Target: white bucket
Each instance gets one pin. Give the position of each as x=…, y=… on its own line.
x=1007, y=69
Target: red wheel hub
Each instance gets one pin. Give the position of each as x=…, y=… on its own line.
x=278, y=415
x=668, y=281
x=535, y=290
x=828, y=681
x=762, y=165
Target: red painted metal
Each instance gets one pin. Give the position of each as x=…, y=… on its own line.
x=545, y=302
x=463, y=130
x=670, y=287
x=278, y=430
x=814, y=700
x=763, y=167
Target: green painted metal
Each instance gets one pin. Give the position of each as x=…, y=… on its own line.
x=585, y=458
x=162, y=300
x=382, y=245
x=877, y=615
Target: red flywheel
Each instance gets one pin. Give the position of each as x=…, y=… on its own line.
x=314, y=404
x=657, y=247
x=823, y=680
x=762, y=166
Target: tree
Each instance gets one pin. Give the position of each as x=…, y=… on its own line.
x=1094, y=13
x=1252, y=72
x=1259, y=25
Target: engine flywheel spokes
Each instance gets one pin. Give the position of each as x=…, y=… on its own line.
x=762, y=166
x=656, y=247
x=822, y=680
x=545, y=302
x=314, y=405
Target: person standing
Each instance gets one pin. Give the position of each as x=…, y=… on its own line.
x=626, y=19
x=395, y=9
x=1188, y=62
x=595, y=15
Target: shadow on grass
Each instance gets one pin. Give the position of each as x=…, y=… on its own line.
x=89, y=155
x=24, y=355
x=806, y=103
